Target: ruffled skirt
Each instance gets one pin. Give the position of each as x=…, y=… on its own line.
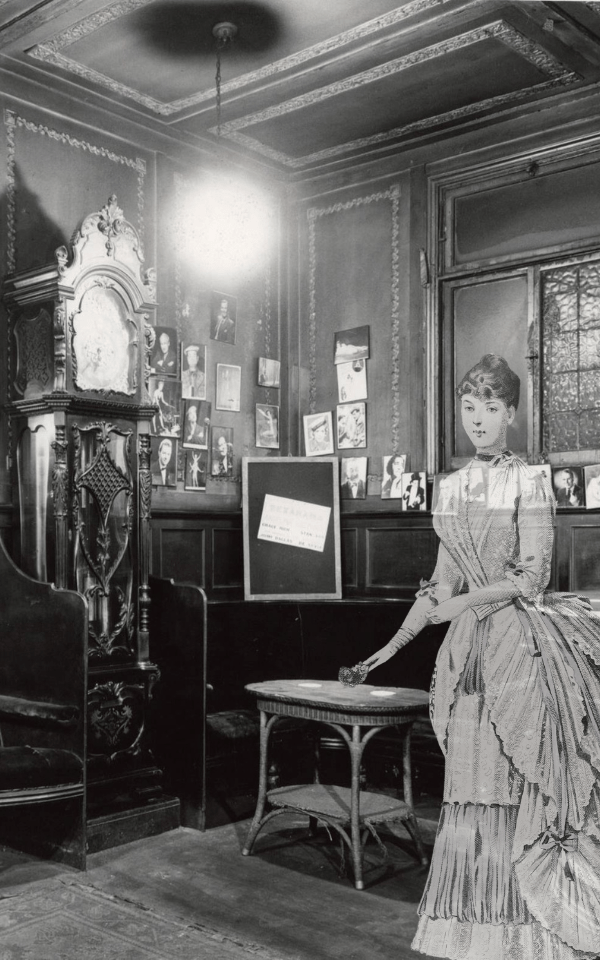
x=473, y=907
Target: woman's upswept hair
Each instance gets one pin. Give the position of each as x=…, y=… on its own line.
x=491, y=379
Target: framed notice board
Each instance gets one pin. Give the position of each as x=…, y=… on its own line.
x=291, y=514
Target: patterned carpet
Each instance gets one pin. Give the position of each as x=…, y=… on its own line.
x=67, y=920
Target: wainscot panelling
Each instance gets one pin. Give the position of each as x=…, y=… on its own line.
x=350, y=539
x=582, y=550
x=398, y=557
x=383, y=557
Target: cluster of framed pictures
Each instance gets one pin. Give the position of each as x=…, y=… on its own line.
x=410, y=488
x=208, y=450
x=183, y=414
x=350, y=354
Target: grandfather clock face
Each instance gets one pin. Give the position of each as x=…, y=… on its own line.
x=105, y=341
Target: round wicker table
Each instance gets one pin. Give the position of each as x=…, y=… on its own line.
x=357, y=714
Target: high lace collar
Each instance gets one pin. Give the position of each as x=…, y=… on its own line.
x=493, y=459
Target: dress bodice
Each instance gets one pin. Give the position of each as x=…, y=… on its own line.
x=494, y=521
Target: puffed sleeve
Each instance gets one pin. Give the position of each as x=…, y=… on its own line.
x=529, y=567
x=447, y=581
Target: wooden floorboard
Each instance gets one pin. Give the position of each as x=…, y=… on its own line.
x=288, y=896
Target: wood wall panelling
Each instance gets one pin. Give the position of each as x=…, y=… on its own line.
x=358, y=261
x=584, y=557
x=227, y=568
x=398, y=557
x=350, y=547
x=178, y=550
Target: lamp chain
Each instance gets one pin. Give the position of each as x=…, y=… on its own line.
x=218, y=87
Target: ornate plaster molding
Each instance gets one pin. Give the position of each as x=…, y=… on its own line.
x=548, y=65
x=12, y=122
x=314, y=214
x=50, y=52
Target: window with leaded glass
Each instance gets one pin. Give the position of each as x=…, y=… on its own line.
x=570, y=330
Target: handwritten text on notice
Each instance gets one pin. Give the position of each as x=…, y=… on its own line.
x=294, y=522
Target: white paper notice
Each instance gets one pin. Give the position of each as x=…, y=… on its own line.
x=294, y=522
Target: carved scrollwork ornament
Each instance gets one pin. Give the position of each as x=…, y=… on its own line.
x=60, y=346
x=115, y=715
x=149, y=340
x=145, y=476
x=60, y=491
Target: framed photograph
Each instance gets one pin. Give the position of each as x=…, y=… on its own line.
x=163, y=461
x=193, y=370
x=223, y=317
x=291, y=524
x=196, y=423
x=229, y=384
x=354, y=478
x=592, y=486
x=414, y=491
x=351, y=345
x=352, y=381
x=351, y=425
x=196, y=466
x=543, y=468
x=269, y=372
x=318, y=434
x=441, y=493
x=568, y=486
x=222, y=452
x=394, y=467
x=166, y=397
x=163, y=360
x=267, y=426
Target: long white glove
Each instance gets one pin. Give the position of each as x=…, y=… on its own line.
x=351, y=676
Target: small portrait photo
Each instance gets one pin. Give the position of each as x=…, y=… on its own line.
x=568, y=486
x=196, y=423
x=193, y=370
x=267, y=426
x=166, y=396
x=351, y=345
x=414, y=487
x=222, y=452
x=352, y=381
x=229, y=384
x=163, y=361
x=393, y=469
x=196, y=463
x=318, y=434
x=544, y=468
x=351, y=425
x=223, y=317
x=163, y=461
x=442, y=493
x=592, y=486
x=269, y=372
x=353, y=478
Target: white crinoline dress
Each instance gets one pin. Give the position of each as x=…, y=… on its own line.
x=515, y=705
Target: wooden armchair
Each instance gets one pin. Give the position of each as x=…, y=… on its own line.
x=43, y=677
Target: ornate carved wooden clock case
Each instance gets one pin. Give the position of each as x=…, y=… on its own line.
x=81, y=332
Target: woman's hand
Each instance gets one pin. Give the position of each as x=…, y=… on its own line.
x=448, y=609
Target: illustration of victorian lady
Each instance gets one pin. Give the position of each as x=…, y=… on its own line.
x=515, y=704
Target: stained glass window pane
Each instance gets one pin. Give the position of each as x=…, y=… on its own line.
x=571, y=332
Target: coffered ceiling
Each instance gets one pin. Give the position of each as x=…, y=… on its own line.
x=306, y=82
